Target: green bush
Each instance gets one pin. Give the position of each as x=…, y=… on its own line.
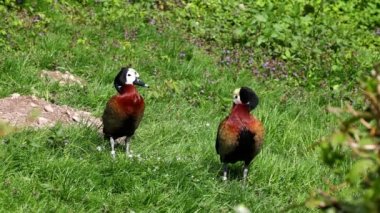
x=317, y=43
x=323, y=42
x=358, y=139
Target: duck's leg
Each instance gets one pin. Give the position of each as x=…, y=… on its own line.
x=245, y=171
x=127, y=151
x=112, y=142
x=225, y=169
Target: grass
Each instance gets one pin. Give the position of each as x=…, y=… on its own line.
x=60, y=169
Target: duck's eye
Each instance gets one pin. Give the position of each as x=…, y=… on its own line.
x=235, y=97
x=129, y=74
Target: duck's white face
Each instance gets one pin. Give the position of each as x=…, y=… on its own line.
x=131, y=76
x=237, y=96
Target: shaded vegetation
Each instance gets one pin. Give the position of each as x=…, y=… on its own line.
x=317, y=43
x=358, y=140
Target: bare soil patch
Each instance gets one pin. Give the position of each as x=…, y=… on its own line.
x=62, y=77
x=29, y=111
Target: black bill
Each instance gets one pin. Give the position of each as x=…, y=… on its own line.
x=140, y=83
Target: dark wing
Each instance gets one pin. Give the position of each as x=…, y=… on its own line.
x=251, y=139
x=111, y=119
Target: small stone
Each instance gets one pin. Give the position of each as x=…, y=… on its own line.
x=377, y=31
x=241, y=6
x=76, y=118
x=48, y=108
x=15, y=95
x=65, y=76
x=68, y=113
x=241, y=209
x=33, y=104
x=42, y=120
x=86, y=113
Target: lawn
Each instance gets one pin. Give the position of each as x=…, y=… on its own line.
x=175, y=167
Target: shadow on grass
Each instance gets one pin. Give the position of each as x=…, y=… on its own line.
x=215, y=168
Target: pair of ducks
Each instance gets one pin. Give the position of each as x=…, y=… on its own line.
x=239, y=137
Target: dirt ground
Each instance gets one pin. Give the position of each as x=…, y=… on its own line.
x=29, y=111
x=19, y=111
x=62, y=77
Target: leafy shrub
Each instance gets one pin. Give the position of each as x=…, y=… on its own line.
x=359, y=140
x=313, y=44
x=328, y=42
x=19, y=16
